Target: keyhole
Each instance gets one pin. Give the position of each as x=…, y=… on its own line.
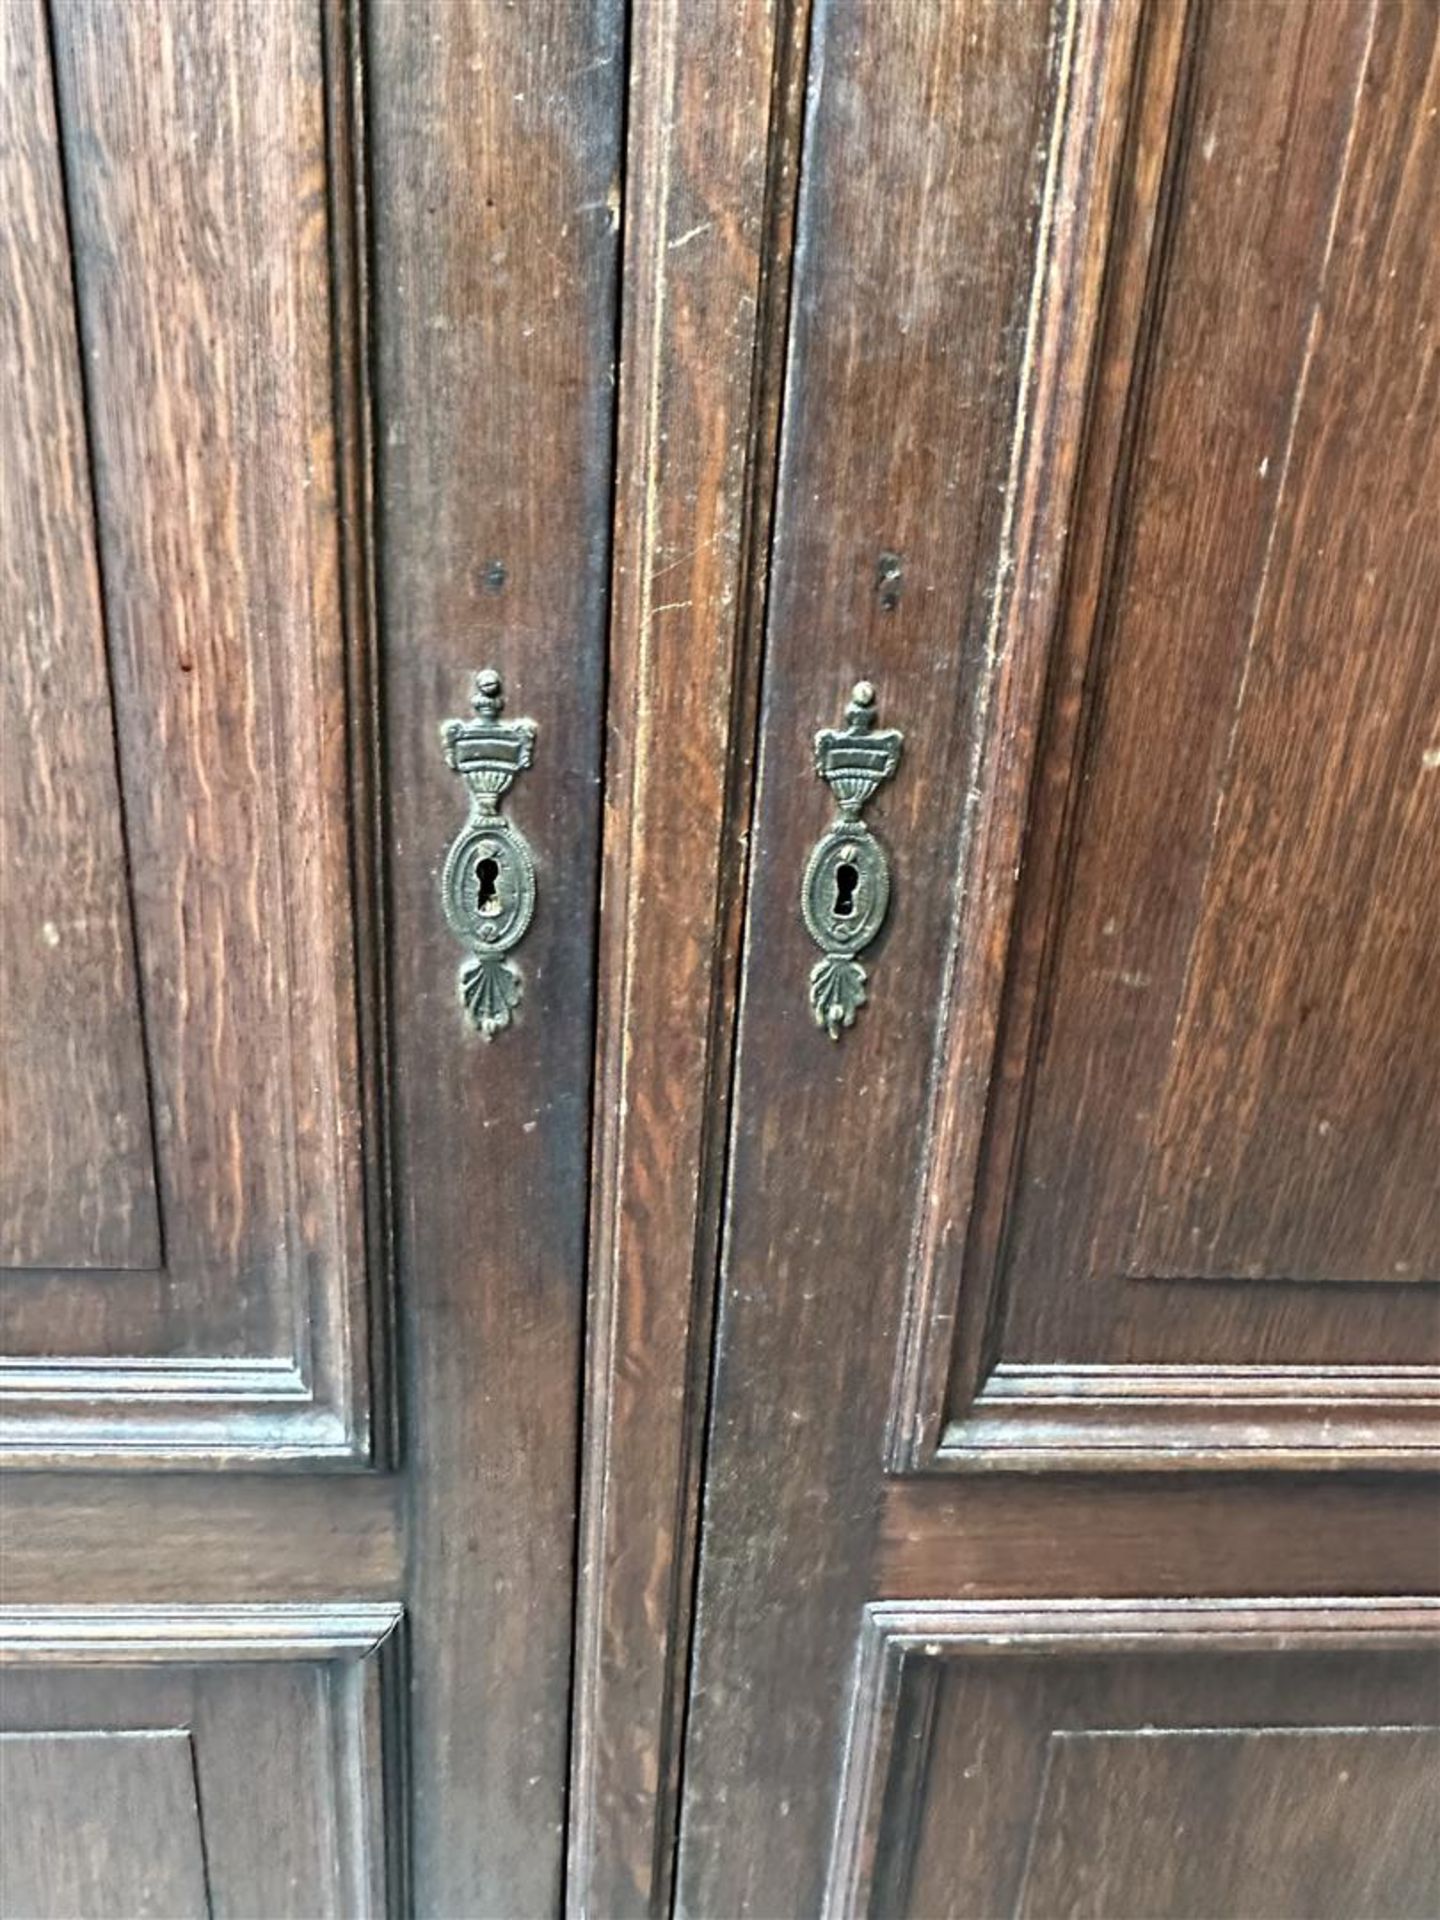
x=847, y=879
x=487, y=889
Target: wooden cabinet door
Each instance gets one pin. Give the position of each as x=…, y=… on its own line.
x=306, y=322
x=1066, y=1292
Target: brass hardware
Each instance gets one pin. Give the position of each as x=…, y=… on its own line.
x=846, y=889
x=488, y=881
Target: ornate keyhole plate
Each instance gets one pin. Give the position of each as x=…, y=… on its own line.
x=846, y=890
x=489, y=909
x=487, y=884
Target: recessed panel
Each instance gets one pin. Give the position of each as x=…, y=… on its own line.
x=197, y=1761
x=1239, y=1079
x=77, y=1170
x=1206, y=1223
x=1273, y=1823
x=1078, y=1761
x=100, y=1824
x=181, y=1109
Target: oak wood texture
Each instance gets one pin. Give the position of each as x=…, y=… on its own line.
x=1166, y=1758
x=1032, y=333
x=930, y=267
x=340, y=353
x=193, y=1759
x=72, y=1538
x=1190, y=950
x=1293, y=1821
x=495, y=154
x=1304, y=1075
x=977, y=1090
x=713, y=119
x=77, y=1178
x=1062, y=369
x=1169, y=1535
x=190, y=159
x=101, y=1823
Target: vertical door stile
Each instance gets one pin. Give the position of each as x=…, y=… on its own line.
x=714, y=104
x=495, y=143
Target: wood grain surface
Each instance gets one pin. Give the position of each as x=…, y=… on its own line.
x=1176, y=187
x=103, y=1823
x=1157, y=1757
x=495, y=153
x=192, y=153
x=712, y=134
x=662, y=1459
x=254, y=1782
x=206, y=326
x=77, y=1175
x=138, y=1539
x=903, y=433
x=1292, y=161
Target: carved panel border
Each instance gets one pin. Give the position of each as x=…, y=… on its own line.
x=1120, y=94
x=894, y=1634
x=359, y=1649
x=1164, y=1417
x=327, y=1400
x=955, y=1403
x=122, y=1635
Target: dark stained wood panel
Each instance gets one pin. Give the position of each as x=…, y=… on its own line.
x=1166, y=1759
x=712, y=134
x=1098, y=299
x=77, y=1177
x=939, y=296
x=1176, y=1534
x=203, y=216
x=1273, y=1823
x=195, y=148
x=1235, y=1075
x=83, y=1538
x=496, y=158
x=193, y=1760
x=1298, y=1134
x=1169, y=775
x=99, y=1824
